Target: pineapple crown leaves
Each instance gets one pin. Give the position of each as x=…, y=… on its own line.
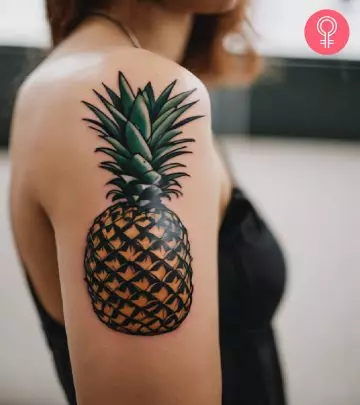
x=142, y=133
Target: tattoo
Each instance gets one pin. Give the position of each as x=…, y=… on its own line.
x=137, y=259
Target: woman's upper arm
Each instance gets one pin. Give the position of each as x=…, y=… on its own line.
x=136, y=222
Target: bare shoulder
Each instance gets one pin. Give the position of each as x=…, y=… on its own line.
x=69, y=77
x=50, y=100
x=66, y=96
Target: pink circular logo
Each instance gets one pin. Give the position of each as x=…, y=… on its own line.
x=327, y=32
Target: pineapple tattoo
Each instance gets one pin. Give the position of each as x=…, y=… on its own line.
x=137, y=257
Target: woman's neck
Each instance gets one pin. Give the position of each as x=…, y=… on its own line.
x=157, y=29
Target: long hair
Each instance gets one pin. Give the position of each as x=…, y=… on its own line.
x=205, y=54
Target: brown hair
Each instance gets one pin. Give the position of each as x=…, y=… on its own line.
x=205, y=55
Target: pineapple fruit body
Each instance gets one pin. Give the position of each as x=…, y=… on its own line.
x=138, y=269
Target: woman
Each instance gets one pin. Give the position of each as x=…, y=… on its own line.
x=146, y=264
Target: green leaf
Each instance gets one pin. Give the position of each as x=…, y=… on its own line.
x=136, y=142
x=148, y=89
x=160, y=141
x=118, y=182
x=117, y=145
x=126, y=93
x=118, y=195
x=120, y=160
x=120, y=119
x=174, y=183
x=115, y=99
x=110, y=127
x=161, y=159
x=152, y=177
x=102, y=98
x=175, y=101
x=94, y=122
x=132, y=188
x=160, y=152
x=101, y=132
x=170, y=191
x=109, y=152
x=112, y=168
x=186, y=121
x=163, y=98
x=139, y=165
x=169, y=147
x=146, y=99
x=161, y=119
x=171, y=187
x=169, y=121
x=180, y=141
x=140, y=116
x=173, y=176
x=164, y=168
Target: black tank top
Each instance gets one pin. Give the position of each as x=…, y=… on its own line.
x=251, y=283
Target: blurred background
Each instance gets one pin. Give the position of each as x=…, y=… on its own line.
x=292, y=141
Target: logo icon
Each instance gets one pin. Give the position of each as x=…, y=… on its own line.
x=327, y=27
x=327, y=32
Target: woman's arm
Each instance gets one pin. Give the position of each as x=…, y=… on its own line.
x=129, y=182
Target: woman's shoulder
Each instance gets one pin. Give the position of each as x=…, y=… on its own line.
x=69, y=75
x=48, y=124
x=50, y=99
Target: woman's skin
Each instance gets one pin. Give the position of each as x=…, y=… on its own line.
x=57, y=190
